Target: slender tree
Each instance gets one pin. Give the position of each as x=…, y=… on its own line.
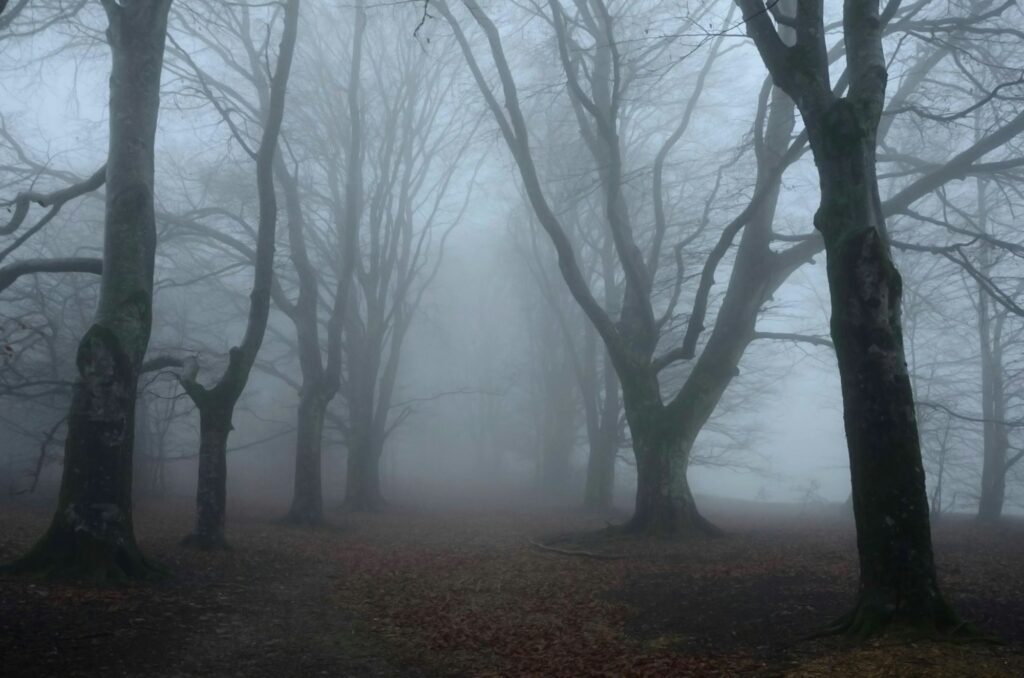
x=216, y=403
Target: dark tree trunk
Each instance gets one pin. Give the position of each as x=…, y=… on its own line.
x=91, y=535
x=661, y=446
x=898, y=583
x=664, y=503
x=307, y=499
x=211, y=491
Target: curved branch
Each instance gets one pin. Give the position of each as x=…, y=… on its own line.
x=11, y=272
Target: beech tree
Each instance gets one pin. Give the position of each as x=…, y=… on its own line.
x=412, y=139
x=662, y=439
x=216, y=402
x=898, y=584
x=91, y=534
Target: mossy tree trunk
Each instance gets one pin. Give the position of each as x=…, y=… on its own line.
x=91, y=535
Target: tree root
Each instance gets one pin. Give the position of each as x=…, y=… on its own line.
x=63, y=556
x=871, y=619
x=572, y=552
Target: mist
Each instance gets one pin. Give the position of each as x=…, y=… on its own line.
x=320, y=301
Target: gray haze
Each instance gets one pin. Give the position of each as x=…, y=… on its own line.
x=484, y=357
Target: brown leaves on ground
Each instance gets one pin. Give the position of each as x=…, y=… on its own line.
x=450, y=593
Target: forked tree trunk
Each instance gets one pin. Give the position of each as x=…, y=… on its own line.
x=307, y=498
x=91, y=535
x=661, y=446
x=898, y=583
x=216, y=404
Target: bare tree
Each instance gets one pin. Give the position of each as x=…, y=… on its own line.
x=898, y=584
x=216, y=403
x=414, y=139
x=91, y=534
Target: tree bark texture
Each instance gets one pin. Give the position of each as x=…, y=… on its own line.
x=898, y=583
x=211, y=493
x=91, y=535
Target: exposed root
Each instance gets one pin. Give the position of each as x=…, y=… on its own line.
x=571, y=552
x=60, y=555
x=872, y=619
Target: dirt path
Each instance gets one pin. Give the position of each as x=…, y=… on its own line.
x=465, y=593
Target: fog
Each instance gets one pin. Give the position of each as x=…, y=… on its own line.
x=326, y=258
x=466, y=392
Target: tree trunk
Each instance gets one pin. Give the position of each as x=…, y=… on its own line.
x=897, y=573
x=664, y=503
x=362, y=482
x=91, y=535
x=211, y=491
x=661, y=445
x=996, y=443
x=558, y=432
x=307, y=499
x=598, y=494
x=602, y=420
x=216, y=404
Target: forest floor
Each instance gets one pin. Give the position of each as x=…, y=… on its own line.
x=466, y=593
